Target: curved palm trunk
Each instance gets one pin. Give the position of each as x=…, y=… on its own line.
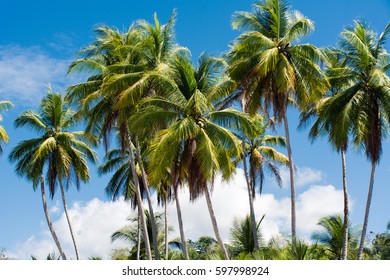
x=68, y=219
x=367, y=213
x=49, y=223
x=166, y=226
x=146, y=184
x=139, y=200
x=344, y=253
x=292, y=182
x=181, y=228
x=215, y=225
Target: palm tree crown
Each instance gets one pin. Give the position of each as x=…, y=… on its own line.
x=62, y=151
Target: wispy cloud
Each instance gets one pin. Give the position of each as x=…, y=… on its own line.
x=95, y=220
x=25, y=74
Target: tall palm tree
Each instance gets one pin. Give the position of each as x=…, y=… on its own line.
x=196, y=139
x=4, y=105
x=273, y=71
x=61, y=151
x=260, y=156
x=123, y=63
x=97, y=104
x=333, y=237
x=363, y=107
x=336, y=70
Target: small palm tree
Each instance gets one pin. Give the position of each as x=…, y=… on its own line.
x=243, y=241
x=332, y=237
x=130, y=234
x=62, y=152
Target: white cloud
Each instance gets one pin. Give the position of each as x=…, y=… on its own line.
x=96, y=220
x=93, y=223
x=304, y=176
x=25, y=74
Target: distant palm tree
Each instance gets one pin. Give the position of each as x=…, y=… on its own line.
x=61, y=151
x=332, y=237
x=129, y=234
x=272, y=71
x=4, y=105
x=243, y=241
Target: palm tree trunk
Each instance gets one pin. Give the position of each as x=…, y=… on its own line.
x=251, y=207
x=139, y=236
x=292, y=182
x=249, y=187
x=215, y=225
x=146, y=184
x=49, y=223
x=344, y=254
x=139, y=200
x=68, y=219
x=367, y=213
x=181, y=227
x=166, y=226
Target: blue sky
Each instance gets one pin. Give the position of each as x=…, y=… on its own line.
x=39, y=39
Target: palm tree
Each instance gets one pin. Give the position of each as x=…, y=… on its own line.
x=336, y=71
x=363, y=107
x=243, y=240
x=123, y=63
x=97, y=104
x=333, y=237
x=271, y=70
x=61, y=151
x=195, y=140
x=129, y=234
x=260, y=156
x=4, y=105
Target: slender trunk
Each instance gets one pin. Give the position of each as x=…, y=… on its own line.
x=68, y=219
x=368, y=205
x=344, y=254
x=51, y=228
x=215, y=225
x=151, y=212
x=181, y=228
x=139, y=236
x=166, y=226
x=292, y=182
x=139, y=200
x=250, y=189
x=251, y=207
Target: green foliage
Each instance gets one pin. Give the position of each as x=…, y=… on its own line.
x=270, y=68
x=332, y=237
x=130, y=234
x=63, y=152
x=242, y=241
